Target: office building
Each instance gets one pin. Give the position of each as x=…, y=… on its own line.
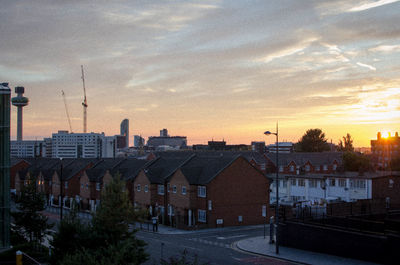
x=27, y=148
x=125, y=132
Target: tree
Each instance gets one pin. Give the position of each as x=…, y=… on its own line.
x=29, y=222
x=356, y=162
x=107, y=239
x=313, y=141
x=346, y=144
x=115, y=212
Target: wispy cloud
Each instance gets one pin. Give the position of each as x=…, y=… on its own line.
x=370, y=5
x=370, y=67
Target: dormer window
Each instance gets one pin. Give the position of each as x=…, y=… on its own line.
x=308, y=168
x=291, y=168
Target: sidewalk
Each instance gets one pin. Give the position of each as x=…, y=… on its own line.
x=261, y=246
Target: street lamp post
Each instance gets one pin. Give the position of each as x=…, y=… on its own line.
x=277, y=190
x=61, y=191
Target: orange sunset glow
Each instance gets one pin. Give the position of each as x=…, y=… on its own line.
x=206, y=69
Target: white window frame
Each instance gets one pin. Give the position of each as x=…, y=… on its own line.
x=98, y=186
x=308, y=168
x=146, y=188
x=138, y=188
x=291, y=168
x=160, y=189
x=325, y=167
x=201, y=191
x=332, y=182
x=202, y=216
x=342, y=183
x=312, y=183
x=301, y=182
x=183, y=190
x=66, y=184
x=174, y=189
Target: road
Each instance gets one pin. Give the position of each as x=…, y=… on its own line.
x=211, y=247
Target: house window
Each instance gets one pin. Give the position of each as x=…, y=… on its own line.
x=174, y=189
x=342, y=183
x=391, y=183
x=138, y=188
x=87, y=186
x=262, y=166
x=334, y=166
x=160, y=189
x=325, y=167
x=317, y=168
x=291, y=168
x=146, y=188
x=280, y=168
x=312, y=183
x=209, y=205
x=184, y=190
x=201, y=191
x=301, y=182
x=308, y=168
x=332, y=182
x=168, y=187
x=97, y=186
x=82, y=186
x=50, y=182
x=293, y=182
x=201, y=216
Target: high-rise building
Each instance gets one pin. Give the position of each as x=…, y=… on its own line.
x=19, y=101
x=125, y=131
x=283, y=147
x=138, y=141
x=5, y=93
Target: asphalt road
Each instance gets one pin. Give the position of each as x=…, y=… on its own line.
x=211, y=247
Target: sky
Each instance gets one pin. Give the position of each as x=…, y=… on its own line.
x=206, y=69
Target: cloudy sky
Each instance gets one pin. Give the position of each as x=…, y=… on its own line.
x=206, y=69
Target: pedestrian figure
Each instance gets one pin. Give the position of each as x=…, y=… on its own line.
x=271, y=230
x=155, y=224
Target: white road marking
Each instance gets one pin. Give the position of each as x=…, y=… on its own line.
x=229, y=237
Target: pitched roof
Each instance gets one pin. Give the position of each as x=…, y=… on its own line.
x=201, y=169
x=129, y=168
x=159, y=169
x=316, y=158
x=100, y=168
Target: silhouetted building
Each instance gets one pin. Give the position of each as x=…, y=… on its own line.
x=384, y=149
x=125, y=131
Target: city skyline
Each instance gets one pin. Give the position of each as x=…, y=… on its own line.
x=206, y=69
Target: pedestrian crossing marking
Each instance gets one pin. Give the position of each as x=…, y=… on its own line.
x=214, y=243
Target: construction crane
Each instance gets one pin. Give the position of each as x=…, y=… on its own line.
x=84, y=103
x=66, y=110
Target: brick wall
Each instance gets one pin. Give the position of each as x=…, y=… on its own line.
x=239, y=190
x=387, y=187
x=141, y=197
x=14, y=170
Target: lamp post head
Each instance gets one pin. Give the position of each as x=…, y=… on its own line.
x=269, y=133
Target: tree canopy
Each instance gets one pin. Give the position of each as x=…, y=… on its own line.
x=346, y=144
x=107, y=238
x=313, y=141
x=29, y=222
